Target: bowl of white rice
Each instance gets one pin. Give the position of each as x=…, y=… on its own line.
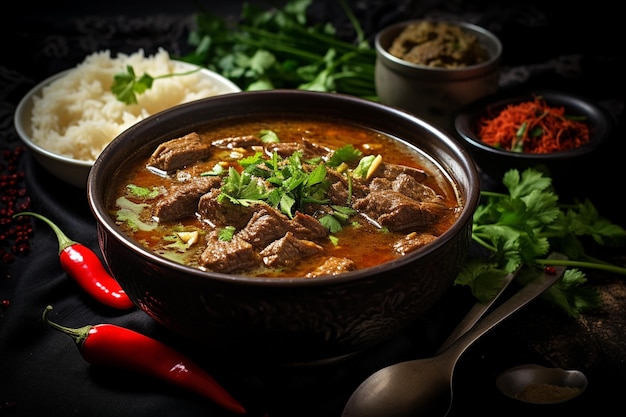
x=68, y=119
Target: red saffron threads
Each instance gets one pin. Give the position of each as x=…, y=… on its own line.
x=533, y=127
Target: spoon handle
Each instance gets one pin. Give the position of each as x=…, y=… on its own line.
x=475, y=313
x=528, y=293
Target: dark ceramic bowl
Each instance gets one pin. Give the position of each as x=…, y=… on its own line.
x=494, y=162
x=292, y=319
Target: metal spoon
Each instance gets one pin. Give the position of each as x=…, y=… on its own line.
x=423, y=387
x=538, y=384
x=475, y=313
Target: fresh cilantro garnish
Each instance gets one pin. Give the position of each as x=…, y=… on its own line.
x=242, y=188
x=289, y=184
x=226, y=234
x=130, y=213
x=335, y=221
x=364, y=165
x=331, y=223
x=346, y=153
x=269, y=136
x=523, y=226
x=216, y=171
x=126, y=85
x=143, y=192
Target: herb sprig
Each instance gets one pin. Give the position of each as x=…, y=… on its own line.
x=127, y=85
x=523, y=226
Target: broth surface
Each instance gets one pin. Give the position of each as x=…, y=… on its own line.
x=138, y=190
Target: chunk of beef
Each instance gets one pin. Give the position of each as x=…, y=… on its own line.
x=411, y=187
x=398, y=212
x=391, y=172
x=405, y=184
x=237, y=142
x=228, y=256
x=288, y=251
x=304, y=226
x=268, y=224
x=177, y=153
x=333, y=266
x=306, y=148
x=225, y=213
x=412, y=241
x=339, y=190
x=265, y=226
x=284, y=149
x=182, y=200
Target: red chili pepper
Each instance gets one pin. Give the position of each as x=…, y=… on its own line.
x=84, y=266
x=114, y=346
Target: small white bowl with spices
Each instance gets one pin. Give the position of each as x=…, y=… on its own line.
x=433, y=68
x=66, y=120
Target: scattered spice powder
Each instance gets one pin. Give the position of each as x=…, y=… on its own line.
x=533, y=127
x=15, y=234
x=547, y=393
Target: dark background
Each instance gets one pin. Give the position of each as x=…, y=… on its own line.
x=574, y=47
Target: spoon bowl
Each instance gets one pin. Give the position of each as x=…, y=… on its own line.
x=423, y=387
x=538, y=384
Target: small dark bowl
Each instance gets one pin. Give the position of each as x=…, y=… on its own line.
x=291, y=319
x=494, y=162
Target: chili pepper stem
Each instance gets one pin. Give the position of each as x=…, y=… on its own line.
x=78, y=334
x=64, y=241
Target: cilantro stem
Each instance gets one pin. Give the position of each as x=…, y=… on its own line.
x=177, y=74
x=476, y=237
x=494, y=194
x=584, y=264
x=354, y=21
x=329, y=41
x=269, y=41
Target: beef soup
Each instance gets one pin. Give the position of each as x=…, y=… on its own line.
x=283, y=198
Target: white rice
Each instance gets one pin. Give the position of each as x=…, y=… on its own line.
x=77, y=115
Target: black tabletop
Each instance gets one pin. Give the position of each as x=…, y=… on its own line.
x=41, y=371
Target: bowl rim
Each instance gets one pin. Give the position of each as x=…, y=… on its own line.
x=393, y=30
x=600, y=121
x=104, y=221
x=23, y=111
x=22, y=118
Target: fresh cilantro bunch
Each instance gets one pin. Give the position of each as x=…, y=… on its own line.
x=522, y=227
x=278, y=48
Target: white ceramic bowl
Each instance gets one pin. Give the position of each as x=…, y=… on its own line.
x=75, y=171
